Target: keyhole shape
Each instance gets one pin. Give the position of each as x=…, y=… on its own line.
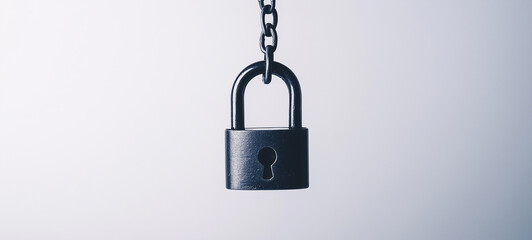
x=267, y=157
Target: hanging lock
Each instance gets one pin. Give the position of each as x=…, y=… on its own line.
x=266, y=158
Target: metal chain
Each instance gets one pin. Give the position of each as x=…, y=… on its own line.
x=268, y=30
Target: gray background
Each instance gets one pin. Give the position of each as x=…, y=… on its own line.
x=112, y=118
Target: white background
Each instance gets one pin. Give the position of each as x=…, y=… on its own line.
x=112, y=118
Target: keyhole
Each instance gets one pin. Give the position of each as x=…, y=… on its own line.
x=267, y=157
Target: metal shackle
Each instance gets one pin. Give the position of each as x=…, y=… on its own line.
x=253, y=70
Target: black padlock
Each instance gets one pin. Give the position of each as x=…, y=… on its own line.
x=266, y=158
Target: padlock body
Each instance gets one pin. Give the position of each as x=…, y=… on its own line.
x=244, y=171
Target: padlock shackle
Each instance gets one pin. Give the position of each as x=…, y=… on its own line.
x=253, y=70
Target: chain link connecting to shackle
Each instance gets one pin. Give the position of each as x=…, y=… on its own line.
x=268, y=30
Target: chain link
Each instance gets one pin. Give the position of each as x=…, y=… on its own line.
x=272, y=4
x=273, y=34
x=274, y=22
x=268, y=30
x=268, y=61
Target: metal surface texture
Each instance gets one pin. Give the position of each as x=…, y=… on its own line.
x=266, y=158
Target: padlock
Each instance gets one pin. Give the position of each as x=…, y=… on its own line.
x=266, y=158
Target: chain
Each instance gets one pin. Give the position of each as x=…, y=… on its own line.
x=268, y=30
